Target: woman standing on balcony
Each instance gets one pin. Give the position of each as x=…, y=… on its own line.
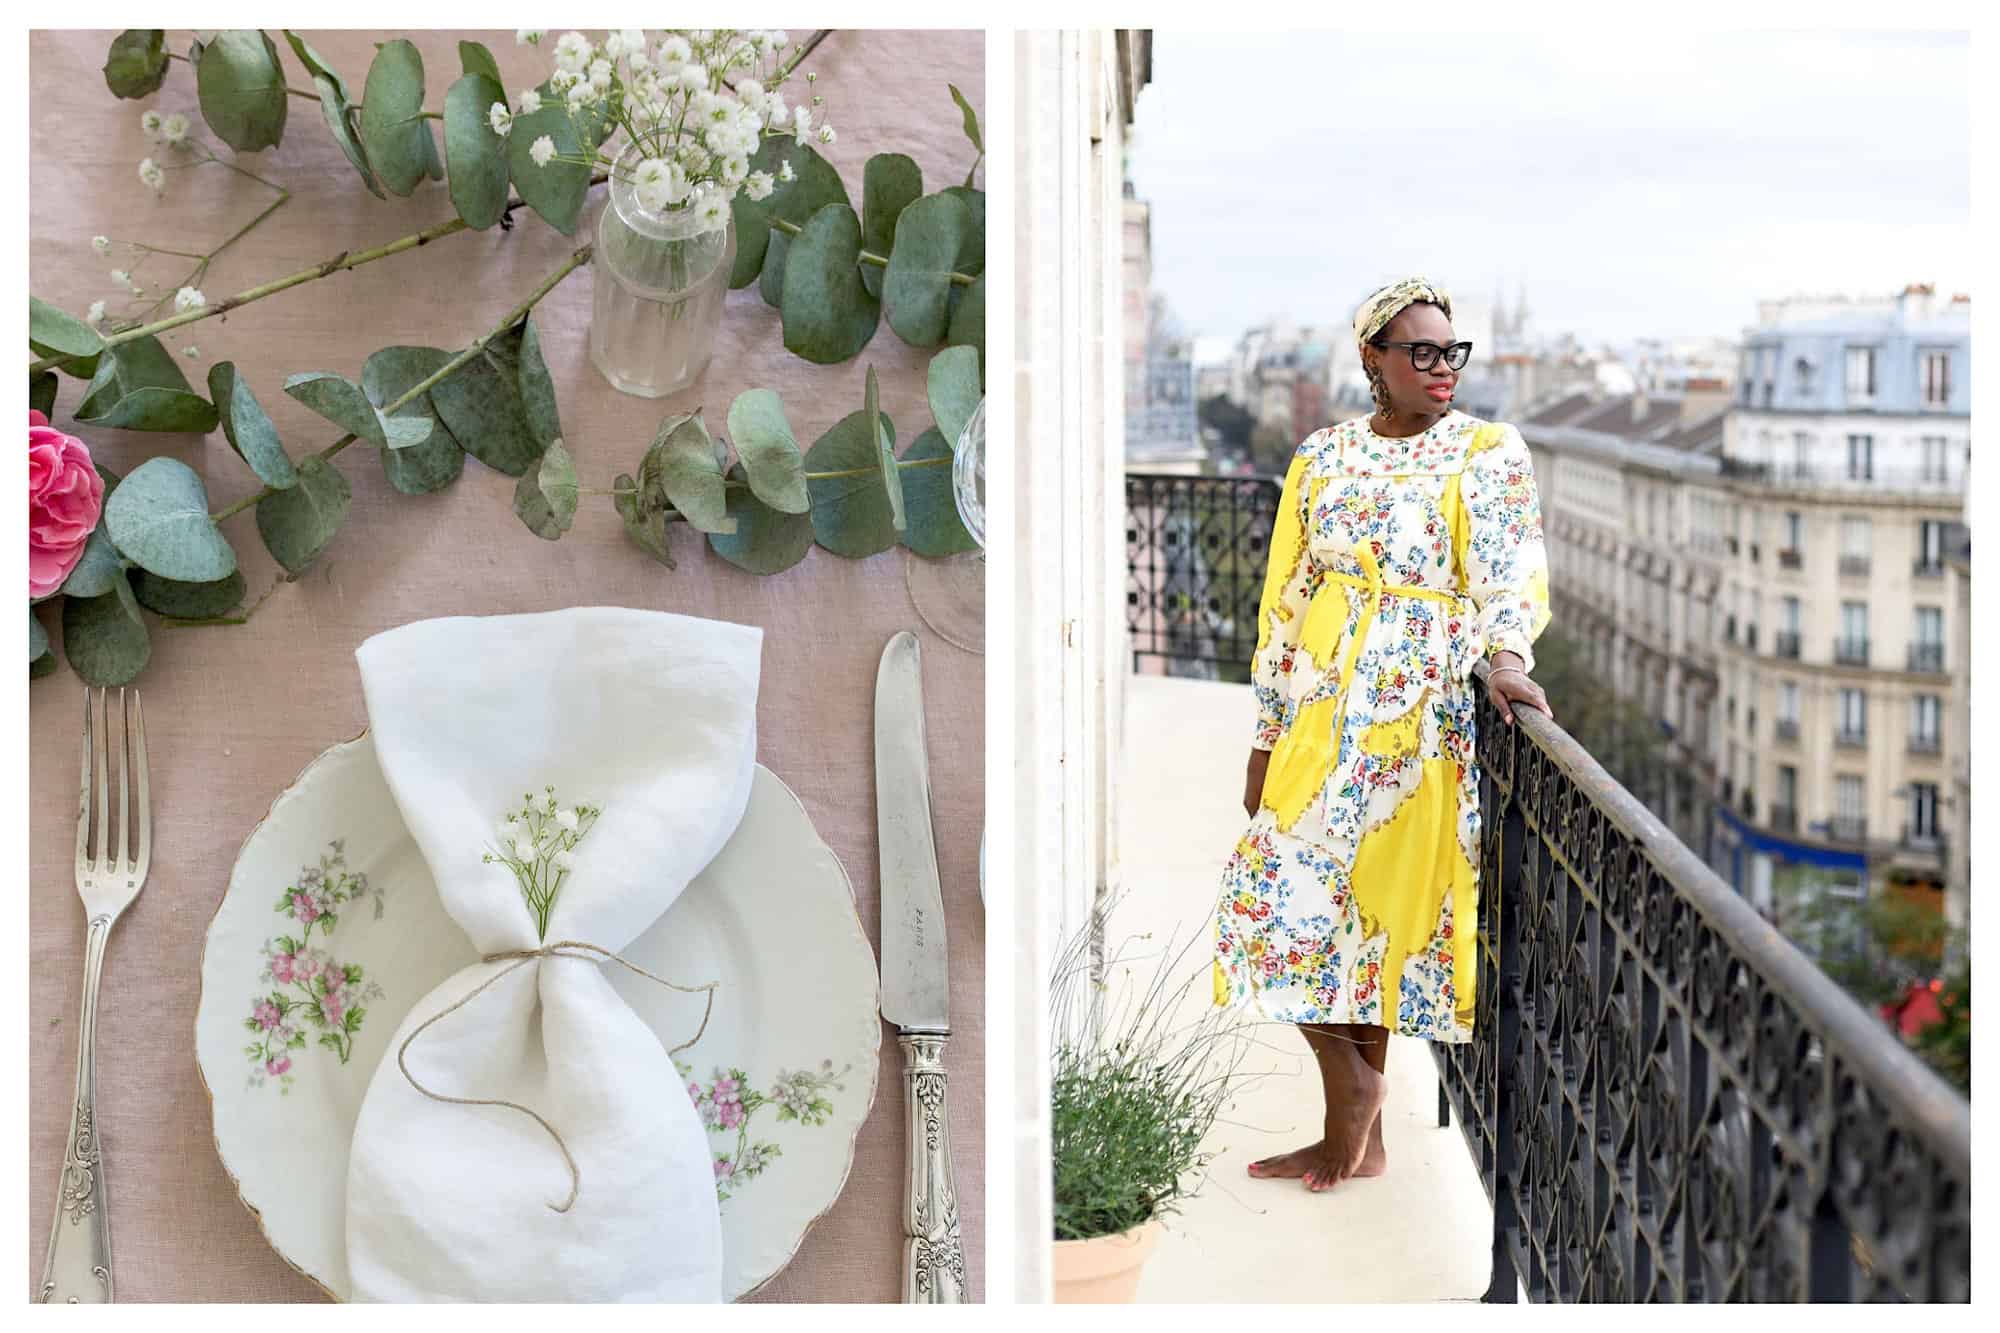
x=1408, y=545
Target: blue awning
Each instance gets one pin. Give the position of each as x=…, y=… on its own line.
x=1771, y=844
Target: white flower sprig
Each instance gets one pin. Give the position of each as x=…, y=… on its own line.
x=538, y=844
x=696, y=106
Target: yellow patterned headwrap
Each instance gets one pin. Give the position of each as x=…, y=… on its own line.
x=1393, y=300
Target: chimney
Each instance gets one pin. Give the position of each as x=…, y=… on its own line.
x=1915, y=302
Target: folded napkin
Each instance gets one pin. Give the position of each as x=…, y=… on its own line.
x=649, y=719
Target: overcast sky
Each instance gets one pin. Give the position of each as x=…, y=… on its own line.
x=1639, y=188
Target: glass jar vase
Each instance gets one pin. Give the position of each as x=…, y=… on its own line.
x=660, y=282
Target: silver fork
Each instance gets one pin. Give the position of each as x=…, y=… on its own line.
x=78, y=1268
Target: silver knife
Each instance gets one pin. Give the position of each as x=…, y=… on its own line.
x=914, y=993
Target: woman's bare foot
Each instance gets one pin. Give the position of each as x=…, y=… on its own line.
x=1350, y=1128
x=1375, y=1159
x=1285, y=1166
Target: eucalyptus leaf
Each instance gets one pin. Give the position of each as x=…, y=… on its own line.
x=341, y=401
x=101, y=565
x=753, y=216
x=971, y=259
x=556, y=191
x=136, y=65
x=766, y=540
x=953, y=387
x=38, y=638
x=971, y=118
x=851, y=514
x=889, y=184
x=42, y=393
x=158, y=519
x=433, y=159
x=885, y=452
x=771, y=282
x=536, y=387
x=545, y=496
x=45, y=665
x=474, y=58
x=647, y=530
x=815, y=185
x=393, y=131
x=772, y=462
x=388, y=374
x=56, y=332
x=336, y=105
x=297, y=524
x=138, y=386
x=681, y=468
x=104, y=638
x=249, y=428
x=935, y=528
x=480, y=403
x=828, y=315
x=916, y=289
x=477, y=155
x=242, y=89
x=188, y=601
x=968, y=323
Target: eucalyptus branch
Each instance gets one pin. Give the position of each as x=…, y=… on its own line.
x=736, y=484
x=200, y=270
x=867, y=256
x=295, y=92
x=242, y=618
x=340, y=262
x=507, y=321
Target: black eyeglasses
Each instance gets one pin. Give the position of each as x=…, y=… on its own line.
x=1423, y=356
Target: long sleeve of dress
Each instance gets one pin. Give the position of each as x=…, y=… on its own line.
x=1506, y=563
x=1282, y=609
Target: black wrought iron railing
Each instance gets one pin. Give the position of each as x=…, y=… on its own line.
x=1195, y=554
x=1665, y=1100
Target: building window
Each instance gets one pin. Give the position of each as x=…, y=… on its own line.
x=1934, y=458
x=1788, y=786
x=1854, y=543
x=1927, y=650
x=1923, y=810
x=1861, y=458
x=1854, y=713
x=1801, y=449
x=1850, y=808
x=1930, y=547
x=1795, y=531
x=1802, y=374
x=1860, y=374
x=1937, y=378
x=1925, y=712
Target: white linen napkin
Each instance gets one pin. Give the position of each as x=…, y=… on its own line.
x=650, y=717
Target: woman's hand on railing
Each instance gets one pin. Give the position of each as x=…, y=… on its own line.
x=1253, y=781
x=1508, y=683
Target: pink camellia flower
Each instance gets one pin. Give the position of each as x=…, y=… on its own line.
x=65, y=496
x=277, y=1065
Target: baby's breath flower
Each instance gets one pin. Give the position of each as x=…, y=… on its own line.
x=101, y=244
x=565, y=860
x=524, y=849
x=500, y=118
x=600, y=72
x=674, y=52
x=826, y=134
x=561, y=80
x=567, y=818
x=572, y=52
x=694, y=78
x=528, y=36
x=95, y=316
x=541, y=150
x=190, y=351
x=149, y=121
x=632, y=42
x=785, y=172
x=122, y=278
x=175, y=128
x=188, y=298
x=154, y=178
x=759, y=185
x=713, y=210
x=734, y=169
x=581, y=94
x=531, y=101
x=802, y=120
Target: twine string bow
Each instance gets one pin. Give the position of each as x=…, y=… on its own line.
x=521, y=958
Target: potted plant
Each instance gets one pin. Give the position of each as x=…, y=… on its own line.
x=1138, y=1079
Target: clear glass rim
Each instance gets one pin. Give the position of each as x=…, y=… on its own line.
x=679, y=224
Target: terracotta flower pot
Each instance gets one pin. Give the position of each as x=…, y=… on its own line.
x=1103, y=1270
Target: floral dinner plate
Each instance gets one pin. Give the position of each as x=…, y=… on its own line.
x=331, y=929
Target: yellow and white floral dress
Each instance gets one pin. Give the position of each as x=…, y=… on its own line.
x=1395, y=564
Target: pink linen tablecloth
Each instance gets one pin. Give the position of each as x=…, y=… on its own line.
x=234, y=713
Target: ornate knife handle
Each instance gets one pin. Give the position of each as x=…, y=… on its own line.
x=933, y=1258
x=78, y=1268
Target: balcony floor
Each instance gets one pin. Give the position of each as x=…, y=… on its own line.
x=1420, y=1232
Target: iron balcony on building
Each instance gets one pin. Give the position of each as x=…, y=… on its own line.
x=1928, y=569
x=1921, y=744
x=1786, y=728
x=1879, y=477
x=1750, y=637
x=1663, y=1098
x=1850, y=652
x=1927, y=657
x=1850, y=740
x=1854, y=564
x=1847, y=828
x=1784, y=819
x=1791, y=559
x=1785, y=643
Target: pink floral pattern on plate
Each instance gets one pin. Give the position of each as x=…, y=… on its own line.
x=309, y=996
x=728, y=1103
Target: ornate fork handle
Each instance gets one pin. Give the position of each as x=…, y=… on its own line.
x=933, y=1257
x=78, y=1268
